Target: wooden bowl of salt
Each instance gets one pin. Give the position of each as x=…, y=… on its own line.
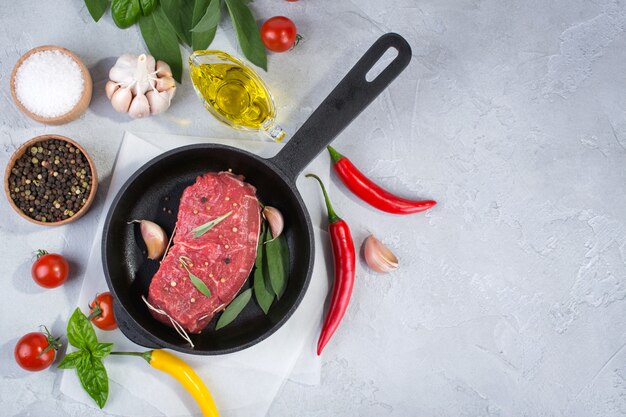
x=51, y=85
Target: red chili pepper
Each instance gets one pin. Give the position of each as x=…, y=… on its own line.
x=344, y=257
x=370, y=192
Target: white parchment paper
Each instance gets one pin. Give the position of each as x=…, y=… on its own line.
x=243, y=383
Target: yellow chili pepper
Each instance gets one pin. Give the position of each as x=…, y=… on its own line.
x=179, y=369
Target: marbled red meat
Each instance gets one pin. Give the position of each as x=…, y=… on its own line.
x=222, y=258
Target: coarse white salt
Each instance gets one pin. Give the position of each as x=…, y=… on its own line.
x=49, y=83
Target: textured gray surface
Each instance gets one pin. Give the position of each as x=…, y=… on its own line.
x=510, y=298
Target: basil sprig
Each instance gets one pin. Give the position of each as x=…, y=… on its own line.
x=87, y=360
x=166, y=23
x=97, y=8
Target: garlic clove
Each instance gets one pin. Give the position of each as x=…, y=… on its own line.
x=165, y=83
x=154, y=237
x=378, y=256
x=120, y=100
x=110, y=88
x=172, y=92
x=163, y=69
x=275, y=219
x=139, y=107
x=159, y=102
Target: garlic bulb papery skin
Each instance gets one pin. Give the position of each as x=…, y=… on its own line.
x=378, y=256
x=140, y=85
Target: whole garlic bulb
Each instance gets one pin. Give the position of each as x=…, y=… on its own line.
x=140, y=86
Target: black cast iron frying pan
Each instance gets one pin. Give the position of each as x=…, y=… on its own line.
x=160, y=183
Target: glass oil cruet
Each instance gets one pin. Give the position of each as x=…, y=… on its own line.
x=234, y=93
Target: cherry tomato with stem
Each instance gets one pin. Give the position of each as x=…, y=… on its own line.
x=36, y=351
x=279, y=34
x=101, y=312
x=50, y=269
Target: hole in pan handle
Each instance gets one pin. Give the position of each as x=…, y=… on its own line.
x=132, y=332
x=351, y=96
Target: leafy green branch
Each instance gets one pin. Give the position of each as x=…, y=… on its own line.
x=165, y=24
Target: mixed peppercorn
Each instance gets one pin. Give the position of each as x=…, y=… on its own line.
x=51, y=181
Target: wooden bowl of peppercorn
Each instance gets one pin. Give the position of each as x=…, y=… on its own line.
x=50, y=180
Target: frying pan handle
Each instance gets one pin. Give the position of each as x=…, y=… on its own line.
x=351, y=96
x=134, y=334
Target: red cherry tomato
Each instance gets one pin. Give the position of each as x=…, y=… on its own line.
x=50, y=269
x=101, y=312
x=278, y=33
x=36, y=351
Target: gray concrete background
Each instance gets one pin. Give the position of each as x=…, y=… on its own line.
x=510, y=298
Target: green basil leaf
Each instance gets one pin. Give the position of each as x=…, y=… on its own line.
x=277, y=253
x=102, y=350
x=234, y=308
x=161, y=40
x=180, y=14
x=96, y=8
x=210, y=19
x=125, y=12
x=202, y=229
x=80, y=332
x=147, y=6
x=93, y=377
x=248, y=33
x=71, y=359
x=262, y=291
x=202, y=40
x=199, y=284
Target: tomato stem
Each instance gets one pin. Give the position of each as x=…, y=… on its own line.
x=53, y=342
x=297, y=41
x=40, y=253
x=96, y=310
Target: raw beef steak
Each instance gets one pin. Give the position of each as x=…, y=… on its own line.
x=222, y=258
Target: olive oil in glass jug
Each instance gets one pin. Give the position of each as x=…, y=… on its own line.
x=234, y=93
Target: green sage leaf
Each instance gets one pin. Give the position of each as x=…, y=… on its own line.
x=71, y=359
x=80, y=332
x=234, y=308
x=248, y=33
x=199, y=284
x=277, y=259
x=93, y=377
x=179, y=13
x=210, y=19
x=102, y=350
x=161, y=40
x=202, y=229
x=96, y=8
x=262, y=291
x=147, y=6
x=125, y=12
